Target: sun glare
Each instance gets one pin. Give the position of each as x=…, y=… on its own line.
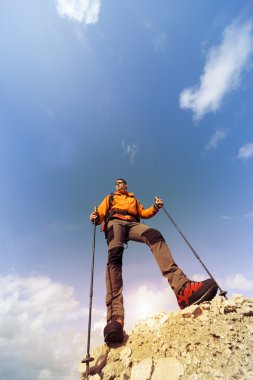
x=143, y=309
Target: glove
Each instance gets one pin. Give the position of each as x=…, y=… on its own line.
x=94, y=216
x=158, y=202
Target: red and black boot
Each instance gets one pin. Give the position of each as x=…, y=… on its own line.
x=193, y=293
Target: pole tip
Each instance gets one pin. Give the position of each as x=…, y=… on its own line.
x=223, y=293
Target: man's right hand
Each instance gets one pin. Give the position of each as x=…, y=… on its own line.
x=94, y=216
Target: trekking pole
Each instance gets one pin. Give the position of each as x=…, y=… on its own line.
x=222, y=292
x=88, y=358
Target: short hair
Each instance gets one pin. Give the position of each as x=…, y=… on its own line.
x=121, y=179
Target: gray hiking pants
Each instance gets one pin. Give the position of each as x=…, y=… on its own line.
x=118, y=232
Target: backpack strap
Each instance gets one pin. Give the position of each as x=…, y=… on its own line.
x=111, y=212
x=137, y=215
x=106, y=220
x=111, y=198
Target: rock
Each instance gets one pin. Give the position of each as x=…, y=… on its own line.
x=229, y=309
x=123, y=376
x=191, y=311
x=248, y=313
x=142, y=370
x=125, y=357
x=110, y=371
x=238, y=298
x=213, y=340
x=229, y=303
x=113, y=355
x=205, y=306
x=167, y=368
x=164, y=319
x=151, y=324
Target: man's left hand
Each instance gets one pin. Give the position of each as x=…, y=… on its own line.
x=159, y=202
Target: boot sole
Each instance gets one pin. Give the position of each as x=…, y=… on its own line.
x=114, y=337
x=113, y=333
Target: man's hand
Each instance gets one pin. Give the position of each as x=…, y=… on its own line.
x=94, y=216
x=159, y=202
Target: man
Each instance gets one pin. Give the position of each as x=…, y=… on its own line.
x=121, y=213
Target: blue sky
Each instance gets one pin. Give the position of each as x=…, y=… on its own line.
x=159, y=94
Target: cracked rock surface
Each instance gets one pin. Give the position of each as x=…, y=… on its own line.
x=213, y=340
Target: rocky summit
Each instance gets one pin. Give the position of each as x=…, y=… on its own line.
x=213, y=340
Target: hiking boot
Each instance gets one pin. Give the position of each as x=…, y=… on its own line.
x=193, y=293
x=113, y=331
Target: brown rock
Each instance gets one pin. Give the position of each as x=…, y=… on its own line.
x=191, y=311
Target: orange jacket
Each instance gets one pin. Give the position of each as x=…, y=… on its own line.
x=123, y=200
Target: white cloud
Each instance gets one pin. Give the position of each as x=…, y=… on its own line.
x=216, y=139
x=145, y=302
x=227, y=217
x=239, y=282
x=40, y=338
x=245, y=152
x=161, y=42
x=159, y=39
x=249, y=215
x=83, y=11
x=199, y=277
x=130, y=150
x=222, y=72
x=241, y=217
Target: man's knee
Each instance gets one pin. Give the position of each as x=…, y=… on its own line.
x=115, y=256
x=152, y=236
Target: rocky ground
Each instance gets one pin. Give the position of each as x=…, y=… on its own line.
x=211, y=341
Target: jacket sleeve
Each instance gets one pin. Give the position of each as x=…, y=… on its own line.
x=103, y=208
x=146, y=213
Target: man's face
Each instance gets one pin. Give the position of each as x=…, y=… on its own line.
x=120, y=185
